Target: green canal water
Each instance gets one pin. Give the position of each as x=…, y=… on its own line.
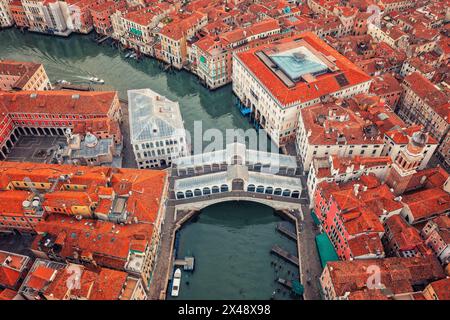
x=230, y=241
x=77, y=57
x=231, y=244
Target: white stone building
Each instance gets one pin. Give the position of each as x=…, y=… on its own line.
x=156, y=129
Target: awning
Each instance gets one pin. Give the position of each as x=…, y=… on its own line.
x=297, y=287
x=314, y=217
x=325, y=249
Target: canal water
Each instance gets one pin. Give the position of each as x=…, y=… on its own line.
x=231, y=241
x=231, y=244
x=77, y=57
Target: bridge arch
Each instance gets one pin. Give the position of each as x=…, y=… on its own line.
x=279, y=205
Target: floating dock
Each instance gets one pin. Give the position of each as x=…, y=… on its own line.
x=285, y=255
x=285, y=283
x=284, y=229
x=78, y=87
x=99, y=41
x=187, y=263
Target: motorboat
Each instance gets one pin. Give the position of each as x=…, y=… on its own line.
x=62, y=82
x=96, y=80
x=176, y=283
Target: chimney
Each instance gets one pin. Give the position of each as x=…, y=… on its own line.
x=356, y=189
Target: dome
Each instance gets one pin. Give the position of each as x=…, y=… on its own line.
x=90, y=140
x=419, y=139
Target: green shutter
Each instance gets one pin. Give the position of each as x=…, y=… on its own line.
x=136, y=32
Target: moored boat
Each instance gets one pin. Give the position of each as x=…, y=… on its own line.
x=176, y=283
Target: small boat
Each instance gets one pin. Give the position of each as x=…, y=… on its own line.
x=176, y=283
x=128, y=54
x=96, y=80
x=285, y=283
x=62, y=82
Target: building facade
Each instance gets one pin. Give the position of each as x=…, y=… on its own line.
x=157, y=130
x=274, y=95
x=17, y=75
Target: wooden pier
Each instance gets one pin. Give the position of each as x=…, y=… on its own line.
x=78, y=87
x=187, y=263
x=281, y=227
x=284, y=282
x=101, y=40
x=285, y=255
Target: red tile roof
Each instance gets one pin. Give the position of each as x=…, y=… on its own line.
x=106, y=242
x=403, y=135
x=365, y=245
x=397, y=274
x=355, y=116
x=7, y=294
x=442, y=288
x=404, y=237
x=324, y=84
x=143, y=189
x=428, y=93
x=103, y=284
x=23, y=70
x=426, y=203
x=59, y=102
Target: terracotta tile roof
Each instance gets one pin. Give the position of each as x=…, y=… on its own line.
x=349, y=119
x=403, y=135
x=9, y=277
x=367, y=294
x=428, y=178
x=103, y=284
x=142, y=189
x=11, y=202
x=361, y=211
x=142, y=17
x=397, y=274
x=442, y=222
x=343, y=163
x=7, y=294
x=177, y=29
x=365, y=245
x=107, y=243
x=404, y=236
x=426, y=203
x=385, y=84
x=428, y=93
x=40, y=277
x=23, y=70
x=58, y=102
x=442, y=288
x=358, y=221
x=324, y=84
x=334, y=165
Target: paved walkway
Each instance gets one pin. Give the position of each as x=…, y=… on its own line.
x=310, y=263
x=161, y=274
x=128, y=160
